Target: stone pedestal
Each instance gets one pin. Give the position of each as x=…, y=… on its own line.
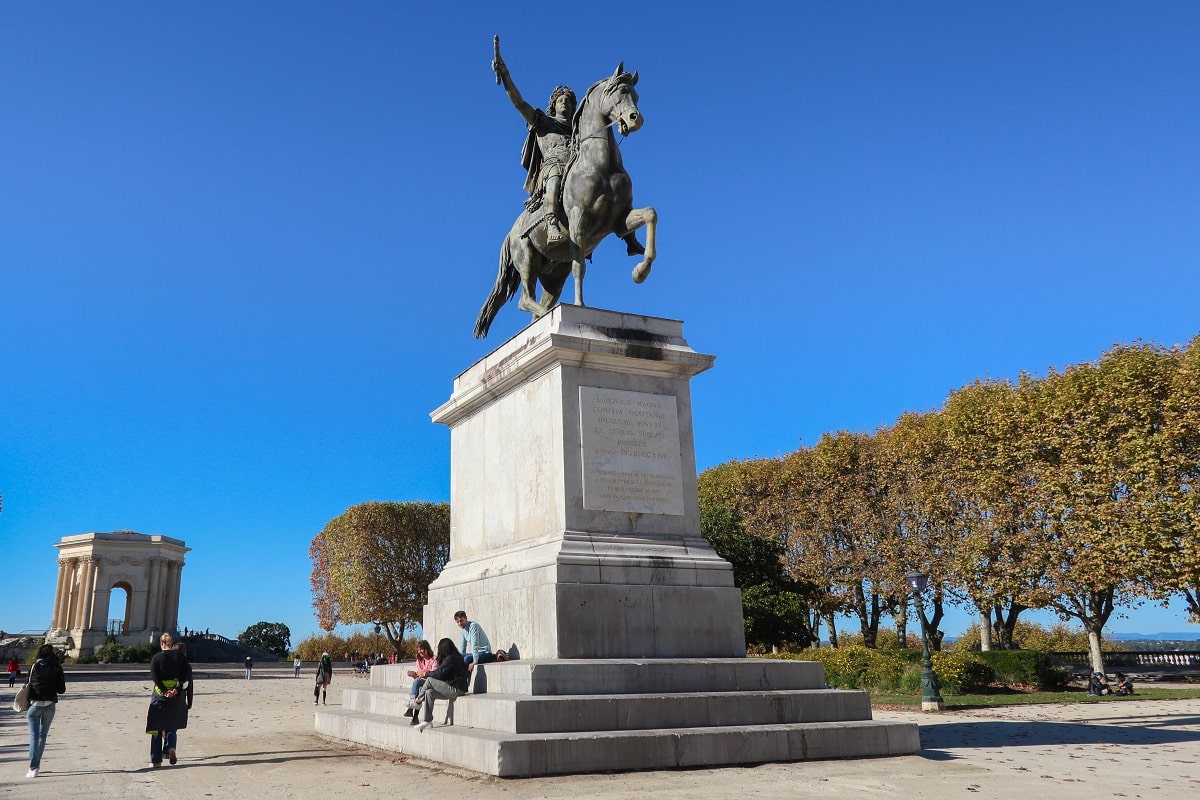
x=575, y=542
x=575, y=531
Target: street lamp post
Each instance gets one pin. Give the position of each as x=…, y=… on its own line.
x=377, y=629
x=931, y=695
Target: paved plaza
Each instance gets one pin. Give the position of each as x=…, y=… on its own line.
x=254, y=739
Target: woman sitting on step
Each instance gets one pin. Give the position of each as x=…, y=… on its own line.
x=448, y=681
x=426, y=662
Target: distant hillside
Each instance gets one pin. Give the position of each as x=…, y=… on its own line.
x=1175, y=636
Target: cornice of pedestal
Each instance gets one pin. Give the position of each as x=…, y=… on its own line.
x=575, y=336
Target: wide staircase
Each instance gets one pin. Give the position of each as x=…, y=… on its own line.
x=573, y=716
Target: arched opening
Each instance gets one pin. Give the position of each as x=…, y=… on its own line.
x=118, y=609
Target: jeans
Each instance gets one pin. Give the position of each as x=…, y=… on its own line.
x=39, y=718
x=479, y=658
x=248, y=672
x=161, y=741
x=432, y=690
x=416, y=686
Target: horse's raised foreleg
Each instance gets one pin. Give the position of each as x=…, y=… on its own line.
x=635, y=219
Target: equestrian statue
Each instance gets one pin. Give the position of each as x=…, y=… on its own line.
x=579, y=193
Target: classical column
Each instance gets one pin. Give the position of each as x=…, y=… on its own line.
x=69, y=595
x=150, y=620
x=79, y=611
x=89, y=603
x=173, y=600
x=58, y=596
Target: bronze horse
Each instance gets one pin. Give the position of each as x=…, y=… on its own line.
x=597, y=197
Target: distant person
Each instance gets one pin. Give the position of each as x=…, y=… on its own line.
x=448, y=681
x=46, y=683
x=324, y=676
x=249, y=662
x=1124, y=685
x=14, y=670
x=476, y=649
x=1098, y=685
x=170, y=699
x=297, y=666
x=426, y=662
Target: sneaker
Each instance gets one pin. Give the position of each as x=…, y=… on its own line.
x=33, y=773
x=423, y=726
x=171, y=756
x=413, y=703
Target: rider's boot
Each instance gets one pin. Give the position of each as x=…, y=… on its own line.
x=632, y=246
x=554, y=233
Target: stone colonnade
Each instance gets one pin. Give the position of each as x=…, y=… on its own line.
x=148, y=568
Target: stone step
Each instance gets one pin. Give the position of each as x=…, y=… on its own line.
x=510, y=713
x=527, y=755
x=628, y=676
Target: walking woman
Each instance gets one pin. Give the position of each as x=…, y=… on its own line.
x=169, y=701
x=324, y=676
x=46, y=683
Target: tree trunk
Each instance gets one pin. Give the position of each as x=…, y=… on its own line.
x=1094, y=650
x=901, y=618
x=985, y=630
x=831, y=626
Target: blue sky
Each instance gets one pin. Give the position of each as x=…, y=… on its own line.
x=242, y=245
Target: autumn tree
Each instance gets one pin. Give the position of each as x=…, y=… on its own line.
x=913, y=456
x=993, y=489
x=1098, y=436
x=1174, y=549
x=374, y=564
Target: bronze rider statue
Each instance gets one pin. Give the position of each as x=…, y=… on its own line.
x=547, y=150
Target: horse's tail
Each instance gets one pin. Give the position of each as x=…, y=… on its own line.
x=507, y=282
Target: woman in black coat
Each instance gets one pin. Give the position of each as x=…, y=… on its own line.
x=448, y=680
x=170, y=700
x=46, y=683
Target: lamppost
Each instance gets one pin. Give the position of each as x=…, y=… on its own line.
x=931, y=695
x=377, y=629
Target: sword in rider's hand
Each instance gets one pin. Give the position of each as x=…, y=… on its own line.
x=496, y=57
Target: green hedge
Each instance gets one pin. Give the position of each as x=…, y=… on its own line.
x=1027, y=667
x=889, y=670
x=959, y=672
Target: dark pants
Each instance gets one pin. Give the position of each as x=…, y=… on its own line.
x=160, y=742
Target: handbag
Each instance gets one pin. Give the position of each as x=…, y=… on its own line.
x=20, y=703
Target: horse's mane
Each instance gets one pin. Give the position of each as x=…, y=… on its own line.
x=614, y=80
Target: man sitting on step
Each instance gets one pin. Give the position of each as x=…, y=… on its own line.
x=476, y=649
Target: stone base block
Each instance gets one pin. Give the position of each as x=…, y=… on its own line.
x=565, y=716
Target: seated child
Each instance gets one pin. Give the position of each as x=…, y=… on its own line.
x=1124, y=684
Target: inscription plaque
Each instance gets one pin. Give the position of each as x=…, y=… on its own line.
x=631, y=459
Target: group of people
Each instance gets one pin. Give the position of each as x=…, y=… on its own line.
x=170, y=700
x=446, y=674
x=1098, y=685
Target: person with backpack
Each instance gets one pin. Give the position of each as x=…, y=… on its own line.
x=170, y=700
x=46, y=683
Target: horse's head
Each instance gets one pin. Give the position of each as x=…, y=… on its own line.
x=614, y=100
